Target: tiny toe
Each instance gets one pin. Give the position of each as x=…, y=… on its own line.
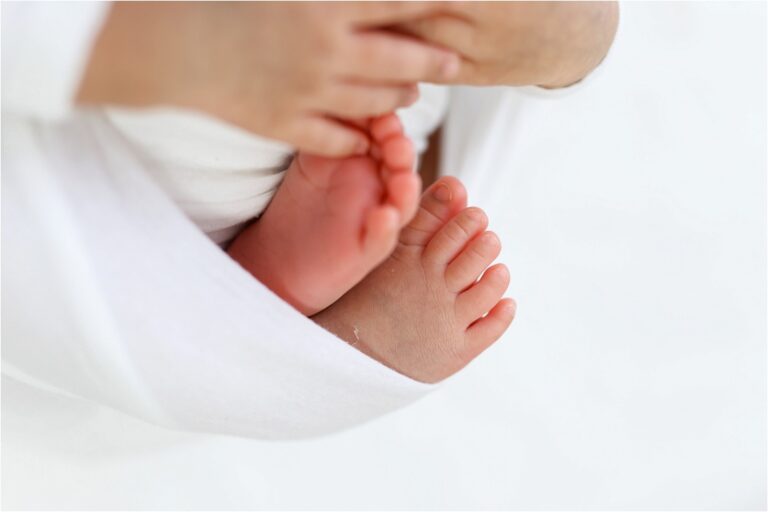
x=483, y=295
x=472, y=261
x=454, y=236
x=380, y=233
x=353, y=187
x=441, y=201
x=403, y=194
x=384, y=127
x=488, y=329
x=398, y=154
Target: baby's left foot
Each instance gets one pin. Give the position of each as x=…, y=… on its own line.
x=436, y=302
x=332, y=220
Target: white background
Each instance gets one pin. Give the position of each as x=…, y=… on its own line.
x=633, y=213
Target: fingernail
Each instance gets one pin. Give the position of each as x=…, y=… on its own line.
x=450, y=67
x=442, y=193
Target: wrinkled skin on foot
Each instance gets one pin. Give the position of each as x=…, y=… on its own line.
x=434, y=304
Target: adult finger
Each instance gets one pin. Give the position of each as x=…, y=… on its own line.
x=352, y=100
x=449, y=32
x=387, y=13
x=389, y=57
x=327, y=137
x=460, y=36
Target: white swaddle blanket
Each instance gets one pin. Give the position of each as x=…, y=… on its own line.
x=112, y=295
x=633, y=221
x=221, y=176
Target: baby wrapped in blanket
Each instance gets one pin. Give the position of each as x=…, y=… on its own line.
x=346, y=241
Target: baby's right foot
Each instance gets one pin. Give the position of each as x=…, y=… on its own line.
x=423, y=312
x=332, y=220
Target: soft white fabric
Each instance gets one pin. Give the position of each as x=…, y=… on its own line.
x=221, y=176
x=45, y=46
x=633, y=218
x=111, y=294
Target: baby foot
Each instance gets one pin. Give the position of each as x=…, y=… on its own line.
x=332, y=220
x=426, y=311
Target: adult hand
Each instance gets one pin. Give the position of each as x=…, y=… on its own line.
x=551, y=44
x=288, y=71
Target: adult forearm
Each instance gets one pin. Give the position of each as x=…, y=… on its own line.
x=550, y=44
x=580, y=35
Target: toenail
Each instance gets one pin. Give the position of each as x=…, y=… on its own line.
x=475, y=214
x=508, y=306
x=442, y=193
x=490, y=238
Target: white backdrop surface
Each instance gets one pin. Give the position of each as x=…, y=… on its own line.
x=633, y=213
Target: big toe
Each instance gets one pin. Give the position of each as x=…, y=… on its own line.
x=439, y=203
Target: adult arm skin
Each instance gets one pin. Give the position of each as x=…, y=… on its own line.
x=287, y=71
x=549, y=44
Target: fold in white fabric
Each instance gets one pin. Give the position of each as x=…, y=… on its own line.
x=632, y=215
x=110, y=293
x=45, y=47
x=113, y=295
x=221, y=176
